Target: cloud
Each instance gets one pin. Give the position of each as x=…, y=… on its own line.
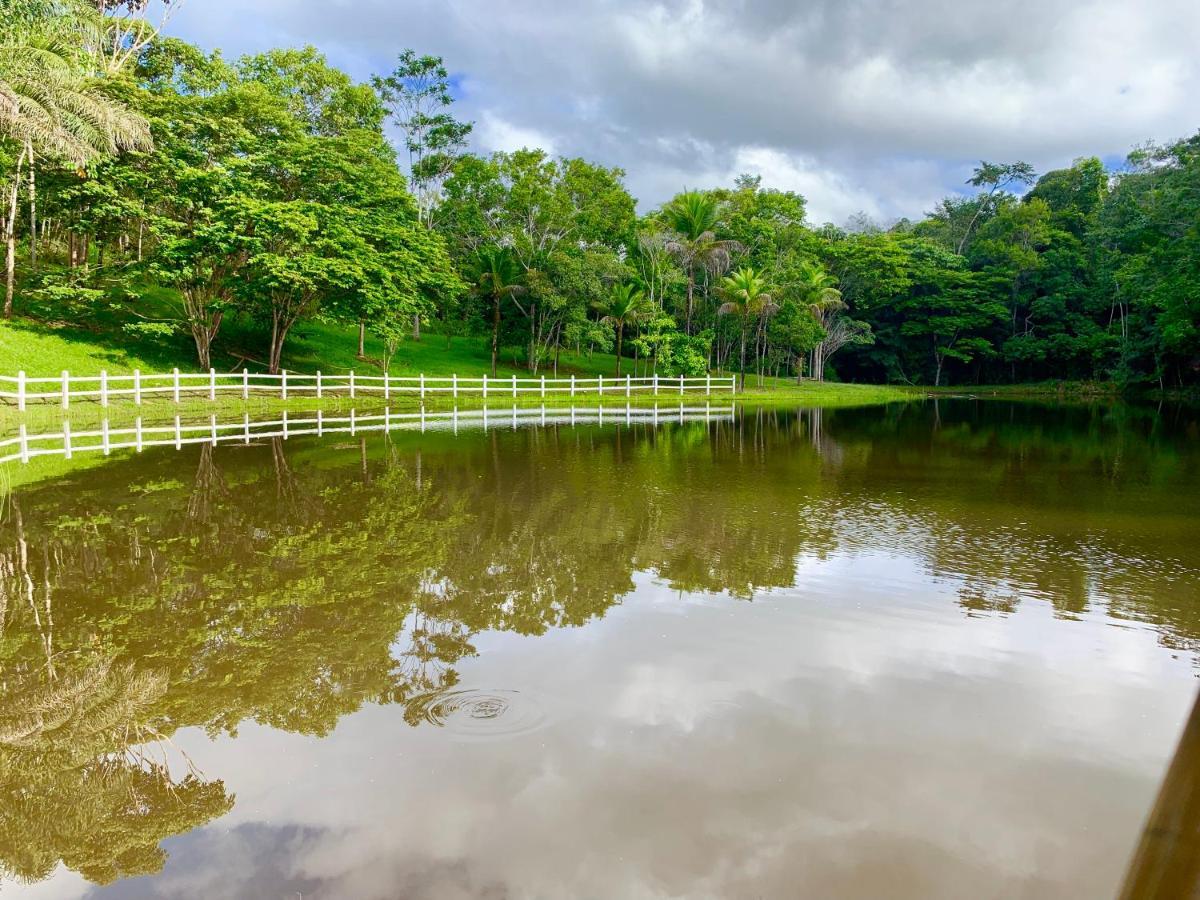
x=494, y=133
x=862, y=105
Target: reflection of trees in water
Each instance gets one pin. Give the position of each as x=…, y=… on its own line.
x=86, y=776
x=290, y=584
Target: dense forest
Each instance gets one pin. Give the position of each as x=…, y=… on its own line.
x=186, y=189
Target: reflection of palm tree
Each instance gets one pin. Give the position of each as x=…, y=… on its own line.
x=86, y=776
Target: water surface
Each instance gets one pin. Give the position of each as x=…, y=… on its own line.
x=921, y=651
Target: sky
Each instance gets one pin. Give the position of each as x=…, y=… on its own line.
x=863, y=106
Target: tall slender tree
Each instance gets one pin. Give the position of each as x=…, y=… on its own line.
x=624, y=305
x=693, y=217
x=498, y=276
x=746, y=296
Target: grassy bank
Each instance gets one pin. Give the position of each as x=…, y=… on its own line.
x=1074, y=390
x=45, y=347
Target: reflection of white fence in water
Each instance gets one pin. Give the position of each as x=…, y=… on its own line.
x=208, y=385
x=106, y=439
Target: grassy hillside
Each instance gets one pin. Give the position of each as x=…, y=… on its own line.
x=51, y=339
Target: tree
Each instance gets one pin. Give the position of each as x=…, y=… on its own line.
x=624, y=305
x=816, y=289
x=498, y=276
x=995, y=178
x=745, y=295
x=693, y=217
x=50, y=105
x=417, y=95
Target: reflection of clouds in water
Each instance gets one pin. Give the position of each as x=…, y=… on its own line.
x=847, y=735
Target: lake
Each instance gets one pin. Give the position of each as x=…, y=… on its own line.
x=929, y=650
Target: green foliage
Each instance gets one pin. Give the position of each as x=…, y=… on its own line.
x=271, y=205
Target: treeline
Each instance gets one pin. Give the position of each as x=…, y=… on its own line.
x=266, y=188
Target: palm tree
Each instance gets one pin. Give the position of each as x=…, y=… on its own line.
x=625, y=305
x=50, y=105
x=816, y=289
x=745, y=294
x=499, y=275
x=693, y=217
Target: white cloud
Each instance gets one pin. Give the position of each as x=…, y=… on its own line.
x=494, y=133
x=849, y=100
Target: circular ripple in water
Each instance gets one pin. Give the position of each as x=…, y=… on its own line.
x=477, y=714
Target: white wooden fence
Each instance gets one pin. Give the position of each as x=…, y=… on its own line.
x=178, y=385
x=106, y=439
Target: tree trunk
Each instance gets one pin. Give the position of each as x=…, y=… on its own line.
x=620, y=340
x=10, y=240
x=531, y=362
x=32, y=211
x=417, y=327
x=691, y=291
x=362, y=338
x=742, y=377
x=495, y=331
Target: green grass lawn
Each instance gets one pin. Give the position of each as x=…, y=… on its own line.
x=47, y=345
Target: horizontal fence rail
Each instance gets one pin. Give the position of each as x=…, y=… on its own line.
x=179, y=385
x=66, y=442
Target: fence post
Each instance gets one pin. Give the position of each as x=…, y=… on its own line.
x=387, y=385
x=21, y=390
x=454, y=385
x=175, y=385
x=655, y=384
x=178, y=434
x=67, y=439
x=514, y=386
x=212, y=384
x=733, y=384
x=283, y=384
x=351, y=384
x=318, y=384
x=543, y=387
x=246, y=426
x=628, y=385
x=24, y=444
x=104, y=388
x=572, y=385
x=137, y=387
x=681, y=385
x=600, y=385
x=707, y=383
x=485, y=396
x=422, y=384
x=212, y=428
x=66, y=389
x=352, y=426
x=245, y=384
x=285, y=424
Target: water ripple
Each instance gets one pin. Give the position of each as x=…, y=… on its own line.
x=479, y=714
